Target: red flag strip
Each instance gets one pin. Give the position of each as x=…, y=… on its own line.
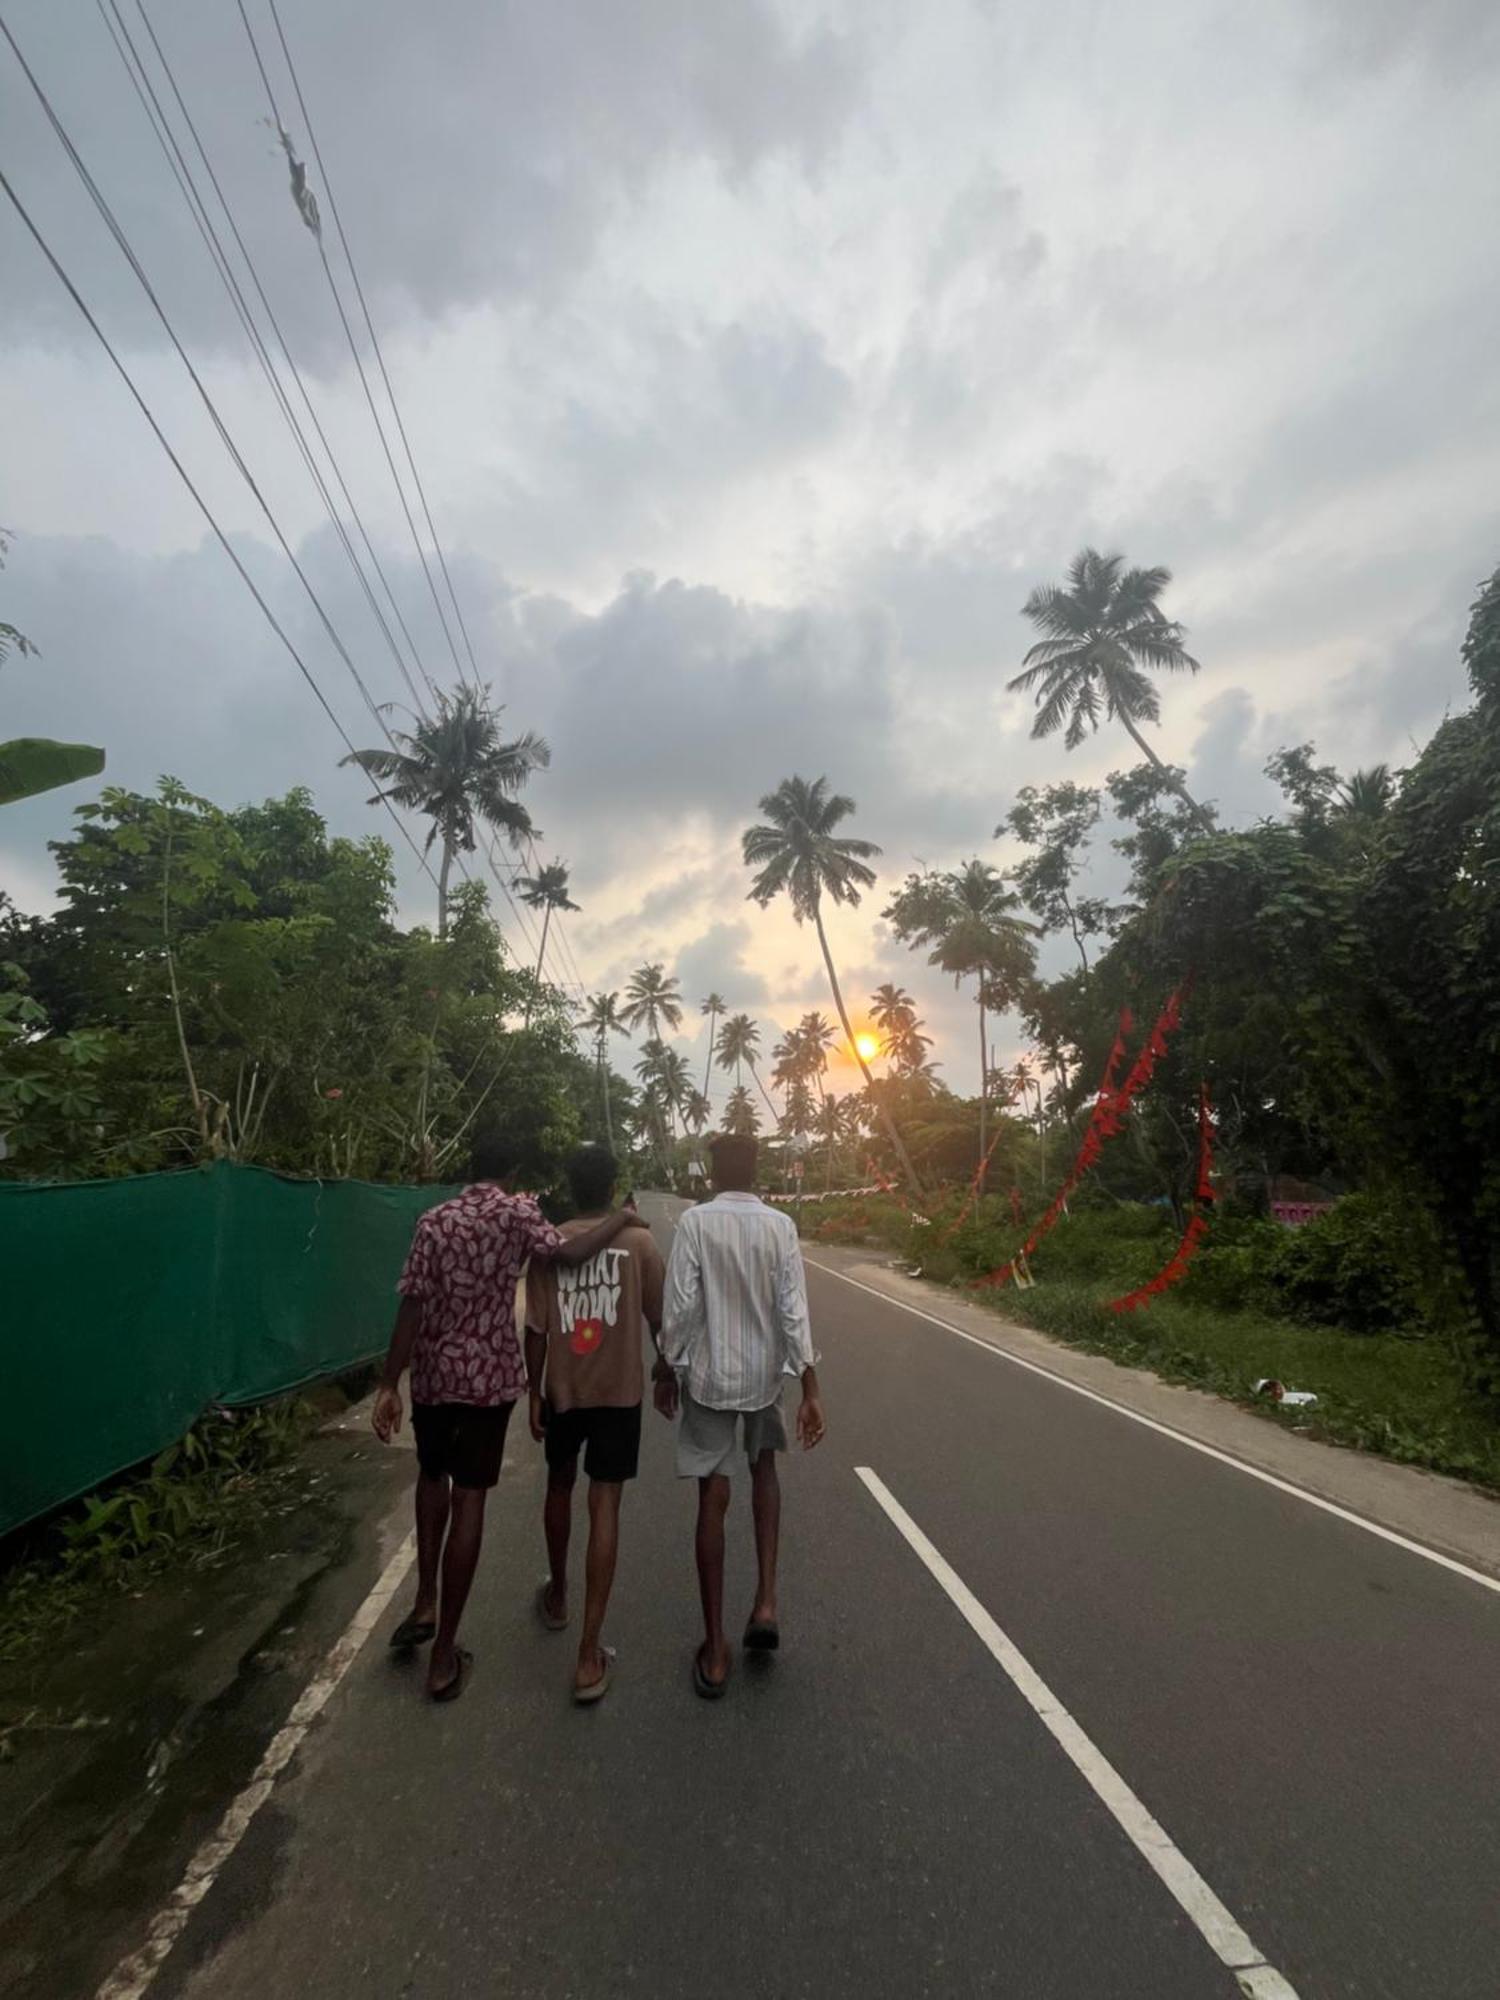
x=1175, y=1268
x=1110, y=1107
x=974, y=1187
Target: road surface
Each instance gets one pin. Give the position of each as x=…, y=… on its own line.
x=1307, y=1715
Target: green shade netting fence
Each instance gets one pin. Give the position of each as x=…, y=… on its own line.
x=128, y=1306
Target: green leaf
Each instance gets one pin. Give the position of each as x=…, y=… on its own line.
x=32, y=764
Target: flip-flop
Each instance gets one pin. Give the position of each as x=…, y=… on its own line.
x=597, y=1690
x=762, y=1635
x=710, y=1690
x=451, y=1690
x=549, y=1618
x=413, y=1632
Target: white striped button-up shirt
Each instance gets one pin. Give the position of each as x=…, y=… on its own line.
x=735, y=1318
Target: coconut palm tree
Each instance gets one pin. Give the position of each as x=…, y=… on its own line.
x=801, y=1110
x=788, y=1061
x=651, y=998
x=546, y=891
x=739, y=1038
x=835, y=1122
x=455, y=767
x=665, y=1072
x=969, y=919
x=697, y=1111
x=797, y=852
x=817, y=1034
x=894, y=1013
x=1104, y=635
x=738, y=1046
x=713, y=1007
x=1367, y=794
x=603, y=1019
x=741, y=1118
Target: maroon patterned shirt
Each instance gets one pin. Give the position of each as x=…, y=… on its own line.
x=464, y=1265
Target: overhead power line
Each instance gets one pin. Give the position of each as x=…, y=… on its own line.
x=198, y=208
x=359, y=290
x=223, y=540
x=564, y=948
x=122, y=241
x=317, y=235
x=135, y=69
x=522, y=921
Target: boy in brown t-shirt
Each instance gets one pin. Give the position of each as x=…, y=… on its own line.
x=584, y=1332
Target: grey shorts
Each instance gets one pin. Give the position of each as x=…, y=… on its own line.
x=706, y=1438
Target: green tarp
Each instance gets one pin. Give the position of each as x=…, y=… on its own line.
x=128, y=1306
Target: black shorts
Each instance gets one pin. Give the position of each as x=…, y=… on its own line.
x=464, y=1442
x=613, y=1437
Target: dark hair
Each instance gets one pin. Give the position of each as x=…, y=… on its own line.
x=592, y=1172
x=734, y=1158
x=493, y=1157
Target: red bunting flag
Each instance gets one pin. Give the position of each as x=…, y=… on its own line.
x=1175, y=1268
x=974, y=1187
x=1106, y=1119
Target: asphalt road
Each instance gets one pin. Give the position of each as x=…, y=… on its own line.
x=1310, y=1714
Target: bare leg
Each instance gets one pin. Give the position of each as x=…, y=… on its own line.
x=713, y=1505
x=604, y=1540
x=557, y=1519
x=765, y=1503
x=460, y=1560
x=432, y=1525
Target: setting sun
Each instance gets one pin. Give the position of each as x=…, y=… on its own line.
x=868, y=1047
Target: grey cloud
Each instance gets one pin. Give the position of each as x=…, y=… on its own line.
x=661, y=906
x=615, y=458
x=984, y=235
x=1421, y=392
x=1369, y=35
x=476, y=156
x=673, y=705
x=716, y=963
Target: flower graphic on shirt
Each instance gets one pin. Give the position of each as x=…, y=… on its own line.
x=586, y=1335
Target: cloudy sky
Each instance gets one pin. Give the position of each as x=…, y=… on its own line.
x=758, y=358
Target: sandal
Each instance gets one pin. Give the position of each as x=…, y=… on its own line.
x=413, y=1632
x=762, y=1635
x=549, y=1618
x=597, y=1690
x=451, y=1690
x=710, y=1690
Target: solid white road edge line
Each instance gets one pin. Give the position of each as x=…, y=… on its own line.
x=1208, y=1915
x=1181, y=1437
x=133, y=1975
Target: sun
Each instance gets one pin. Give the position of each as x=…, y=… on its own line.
x=868, y=1047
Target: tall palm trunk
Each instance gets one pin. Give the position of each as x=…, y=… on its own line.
x=609, y=1131
x=540, y=959
x=1175, y=782
x=984, y=1076
x=770, y=1104
x=708, y=1060
x=200, y=1107
x=444, y=868
x=886, y=1119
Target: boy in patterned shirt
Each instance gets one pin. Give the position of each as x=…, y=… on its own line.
x=456, y=1326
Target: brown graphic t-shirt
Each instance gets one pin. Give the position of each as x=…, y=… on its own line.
x=593, y=1319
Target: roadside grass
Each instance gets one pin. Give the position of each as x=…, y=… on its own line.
x=1404, y=1399
x=191, y=1506
x=1401, y=1395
